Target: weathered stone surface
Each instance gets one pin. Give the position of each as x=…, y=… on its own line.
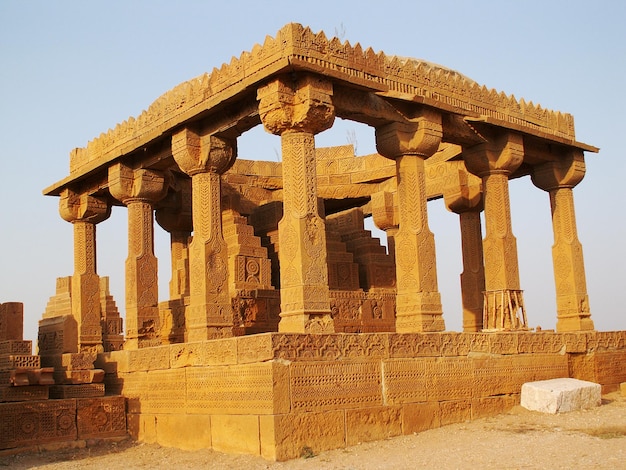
x=27, y=424
x=560, y=395
x=185, y=431
x=99, y=418
x=372, y=424
x=77, y=391
x=285, y=437
x=11, y=321
x=236, y=434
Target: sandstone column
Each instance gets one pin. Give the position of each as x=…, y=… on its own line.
x=139, y=189
x=385, y=218
x=465, y=199
x=559, y=178
x=418, y=302
x=297, y=110
x=84, y=212
x=494, y=161
x=176, y=219
x=204, y=158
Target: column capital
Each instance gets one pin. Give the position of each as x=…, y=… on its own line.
x=503, y=153
x=464, y=195
x=195, y=153
x=128, y=185
x=566, y=172
x=420, y=136
x=303, y=104
x=384, y=210
x=75, y=207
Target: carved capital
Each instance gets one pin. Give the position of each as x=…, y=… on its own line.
x=565, y=172
x=502, y=153
x=465, y=195
x=75, y=207
x=126, y=184
x=195, y=153
x=384, y=210
x=301, y=105
x=174, y=215
x=418, y=136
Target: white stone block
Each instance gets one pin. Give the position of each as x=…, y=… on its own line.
x=560, y=395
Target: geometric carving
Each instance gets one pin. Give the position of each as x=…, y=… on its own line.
x=11, y=321
x=245, y=389
x=26, y=424
x=327, y=386
x=101, y=417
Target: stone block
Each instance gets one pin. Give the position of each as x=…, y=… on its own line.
x=457, y=411
x=162, y=391
x=113, y=362
x=418, y=417
x=491, y=406
x=204, y=353
x=77, y=391
x=183, y=431
x=20, y=361
x=34, y=423
x=82, y=376
x=242, y=389
x=30, y=393
x=98, y=418
x=372, y=424
x=560, y=395
x=142, y=427
x=11, y=321
x=237, y=434
x=16, y=347
x=255, y=348
x=149, y=358
x=609, y=369
x=622, y=388
x=57, y=335
x=317, y=386
x=289, y=436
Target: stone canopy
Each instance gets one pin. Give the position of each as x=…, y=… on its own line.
x=438, y=134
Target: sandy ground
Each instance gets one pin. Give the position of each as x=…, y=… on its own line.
x=520, y=439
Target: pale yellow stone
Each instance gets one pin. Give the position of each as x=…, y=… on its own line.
x=237, y=434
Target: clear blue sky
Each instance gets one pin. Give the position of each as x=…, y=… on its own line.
x=70, y=70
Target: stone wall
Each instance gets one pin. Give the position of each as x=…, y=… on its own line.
x=277, y=394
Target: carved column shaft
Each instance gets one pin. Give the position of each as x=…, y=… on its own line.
x=142, y=290
x=463, y=195
x=139, y=190
x=418, y=302
x=494, y=161
x=558, y=178
x=84, y=212
x=204, y=158
x=500, y=245
x=209, y=313
x=473, y=275
x=179, y=245
x=297, y=110
x=302, y=234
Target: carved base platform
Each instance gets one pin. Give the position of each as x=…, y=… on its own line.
x=32, y=424
x=276, y=394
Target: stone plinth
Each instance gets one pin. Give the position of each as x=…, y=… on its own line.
x=560, y=395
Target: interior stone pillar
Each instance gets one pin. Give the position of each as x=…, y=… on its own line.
x=418, y=302
x=559, y=178
x=139, y=190
x=177, y=221
x=297, y=111
x=465, y=199
x=385, y=218
x=84, y=212
x=204, y=158
x=494, y=161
